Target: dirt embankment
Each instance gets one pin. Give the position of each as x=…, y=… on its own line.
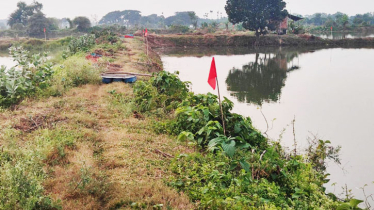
x=211, y=40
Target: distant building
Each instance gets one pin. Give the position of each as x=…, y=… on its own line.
x=64, y=23
x=283, y=26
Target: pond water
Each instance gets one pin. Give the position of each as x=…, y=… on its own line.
x=344, y=35
x=7, y=61
x=329, y=92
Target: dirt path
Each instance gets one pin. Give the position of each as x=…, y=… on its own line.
x=96, y=153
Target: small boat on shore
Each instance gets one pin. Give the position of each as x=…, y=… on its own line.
x=126, y=78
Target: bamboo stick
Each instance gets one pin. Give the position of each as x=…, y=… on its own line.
x=137, y=74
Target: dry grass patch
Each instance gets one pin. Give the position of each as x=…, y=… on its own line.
x=95, y=151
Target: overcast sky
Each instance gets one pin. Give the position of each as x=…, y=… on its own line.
x=73, y=8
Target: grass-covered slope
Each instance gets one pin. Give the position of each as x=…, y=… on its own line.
x=69, y=142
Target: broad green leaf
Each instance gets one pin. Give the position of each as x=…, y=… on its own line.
x=245, y=165
x=354, y=202
x=229, y=148
x=344, y=206
x=295, y=196
x=237, y=128
x=233, y=165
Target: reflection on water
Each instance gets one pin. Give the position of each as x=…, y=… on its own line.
x=262, y=80
x=7, y=61
x=328, y=91
x=344, y=35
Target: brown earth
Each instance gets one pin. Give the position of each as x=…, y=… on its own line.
x=232, y=40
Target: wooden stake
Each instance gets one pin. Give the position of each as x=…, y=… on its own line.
x=147, y=45
x=220, y=104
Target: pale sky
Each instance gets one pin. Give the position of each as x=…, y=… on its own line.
x=73, y=8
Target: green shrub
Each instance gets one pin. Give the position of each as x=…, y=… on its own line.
x=73, y=72
x=267, y=182
x=238, y=168
x=82, y=43
x=179, y=29
x=164, y=90
x=31, y=76
x=105, y=36
x=22, y=170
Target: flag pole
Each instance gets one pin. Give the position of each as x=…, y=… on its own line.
x=147, y=44
x=220, y=104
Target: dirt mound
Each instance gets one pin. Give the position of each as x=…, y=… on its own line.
x=113, y=67
x=99, y=51
x=308, y=37
x=42, y=120
x=102, y=52
x=138, y=33
x=159, y=41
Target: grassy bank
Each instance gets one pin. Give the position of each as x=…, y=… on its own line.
x=227, y=40
x=69, y=142
x=77, y=144
x=35, y=45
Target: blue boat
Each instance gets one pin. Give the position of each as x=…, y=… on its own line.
x=130, y=79
x=107, y=80
x=126, y=78
x=118, y=79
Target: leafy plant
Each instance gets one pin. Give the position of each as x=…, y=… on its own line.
x=164, y=90
x=352, y=205
x=32, y=74
x=239, y=170
x=82, y=43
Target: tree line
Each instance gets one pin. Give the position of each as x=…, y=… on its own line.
x=134, y=18
x=31, y=19
x=338, y=20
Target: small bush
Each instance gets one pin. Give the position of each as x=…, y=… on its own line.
x=179, y=29
x=164, y=90
x=238, y=168
x=31, y=76
x=82, y=43
x=73, y=72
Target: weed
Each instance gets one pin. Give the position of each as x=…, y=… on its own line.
x=32, y=75
x=82, y=43
x=240, y=170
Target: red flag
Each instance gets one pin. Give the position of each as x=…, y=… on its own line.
x=44, y=30
x=213, y=75
x=331, y=28
x=146, y=32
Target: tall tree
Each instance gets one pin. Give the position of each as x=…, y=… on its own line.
x=24, y=12
x=82, y=23
x=36, y=24
x=194, y=18
x=115, y=17
x=262, y=80
x=131, y=17
x=180, y=18
x=71, y=24
x=256, y=15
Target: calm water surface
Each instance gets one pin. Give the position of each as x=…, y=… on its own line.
x=330, y=93
x=344, y=35
x=7, y=61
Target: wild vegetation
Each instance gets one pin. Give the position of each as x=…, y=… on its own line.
x=339, y=21
x=29, y=20
x=56, y=149
x=241, y=169
x=235, y=168
x=69, y=142
x=31, y=76
x=265, y=16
